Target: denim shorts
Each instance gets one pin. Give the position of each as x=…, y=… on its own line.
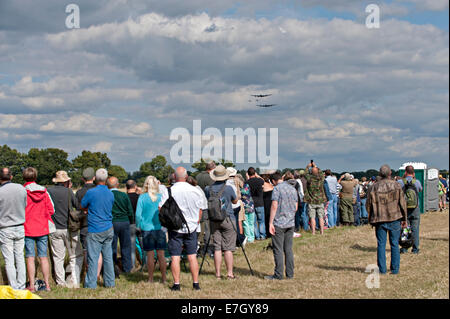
x=180, y=241
x=154, y=240
x=41, y=244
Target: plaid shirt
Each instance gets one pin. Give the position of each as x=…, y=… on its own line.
x=314, y=193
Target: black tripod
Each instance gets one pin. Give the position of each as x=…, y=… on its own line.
x=240, y=245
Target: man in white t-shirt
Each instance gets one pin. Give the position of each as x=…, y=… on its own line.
x=191, y=203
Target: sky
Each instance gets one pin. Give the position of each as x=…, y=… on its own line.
x=349, y=97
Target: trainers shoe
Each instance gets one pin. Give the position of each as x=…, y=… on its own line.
x=271, y=278
x=175, y=287
x=296, y=235
x=196, y=286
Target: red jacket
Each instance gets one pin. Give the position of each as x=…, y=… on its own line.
x=38, y=211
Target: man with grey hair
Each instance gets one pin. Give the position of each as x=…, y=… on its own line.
x=190, y=201
x=98, y=203
x=386, y=208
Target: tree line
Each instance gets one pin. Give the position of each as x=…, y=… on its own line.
x=49, y=160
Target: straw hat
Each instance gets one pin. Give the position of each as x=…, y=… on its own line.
x=61, y=177
x=220, y=173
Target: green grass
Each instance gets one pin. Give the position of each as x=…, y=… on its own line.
x=328, y=266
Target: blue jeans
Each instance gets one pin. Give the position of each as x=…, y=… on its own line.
x=363, y=208
x=122, y=233
x=298, y=217
x=394, y=230
x=304, y=216
x=260, y=227
x=100, y=243
x=356, y=213
x=332, y=211
x=239, y=238
x=414, y=222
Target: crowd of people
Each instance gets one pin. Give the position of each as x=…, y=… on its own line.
x=221, y=211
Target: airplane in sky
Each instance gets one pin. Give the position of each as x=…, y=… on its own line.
x=266, y=105
x=261, y=95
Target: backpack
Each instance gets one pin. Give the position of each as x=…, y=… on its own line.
x=411, y=193
x=171, y=216
x=215, y=211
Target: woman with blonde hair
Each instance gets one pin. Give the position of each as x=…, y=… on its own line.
x=147, y=220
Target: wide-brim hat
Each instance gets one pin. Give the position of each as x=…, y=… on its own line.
x=61, y=177
x=220, y=173
x=232, y=171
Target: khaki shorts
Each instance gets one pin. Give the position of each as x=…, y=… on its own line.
x=314, y=210
x=224, y=234
x=443, y=198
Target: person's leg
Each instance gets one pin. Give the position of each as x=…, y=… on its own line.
x=94, y=247
x=133, y=245
x=175, y=269
x=114, y=242
x=125, y=246
x=228, y=256
x=108, y=263
x=381, y=235
x=239, y=238
x=218, y=262
x=162, y=265
x=150, y=264
x=414, y=220
x=42, y=245
x=99, y=264
x=288, y=252
x=7, y=248
x=312, y=217
x=261, y=222
x=321, y=225
x=363, y=208
x=190, y=244
x=330, y=214
x=278, y=252
x=305, y=217
x=76, y=257
x=19, y=245
x=58, y=248
x=394, y=237
x=256, y=225
x=249, y=229
x=30, y=261
x=336, y=210
x=193, y=265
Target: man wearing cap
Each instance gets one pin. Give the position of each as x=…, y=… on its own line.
x=64, y=201
x=88, y=179
x=223, y=233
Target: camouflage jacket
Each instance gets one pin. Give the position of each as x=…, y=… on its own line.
x=314, y=193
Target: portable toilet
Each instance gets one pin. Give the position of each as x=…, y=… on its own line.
x=432, y=189
x=420, y=170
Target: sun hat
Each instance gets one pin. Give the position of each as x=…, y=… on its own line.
x=347, y=176
x=302, y=172
x=61, y=177
x=220, y=173
x=88, y=173
x=232, y=171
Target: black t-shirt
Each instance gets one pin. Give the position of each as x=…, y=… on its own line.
x=134, y=200
x=256, y=190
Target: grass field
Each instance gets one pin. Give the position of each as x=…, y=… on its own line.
x=328, y=266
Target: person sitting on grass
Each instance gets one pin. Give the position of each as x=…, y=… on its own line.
x=147, y=220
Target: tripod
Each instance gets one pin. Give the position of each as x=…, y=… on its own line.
x=240, y=245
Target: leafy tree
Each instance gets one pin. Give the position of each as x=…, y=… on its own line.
x=14, y=160
x=119, y=172
x=47, y=162
x=157, y=167
x=95, y=160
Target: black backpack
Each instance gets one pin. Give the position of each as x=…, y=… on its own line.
x=215, y=211
x=171, y=216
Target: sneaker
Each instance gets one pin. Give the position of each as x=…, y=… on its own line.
x=296, y=235
x=196, y=286
x=175, y=287
x=415, y=251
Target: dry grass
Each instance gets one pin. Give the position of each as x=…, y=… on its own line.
x=328, y=266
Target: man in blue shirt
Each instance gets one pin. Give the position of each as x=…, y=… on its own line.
x=98, y=202
x=223, y=233
x=413, y=214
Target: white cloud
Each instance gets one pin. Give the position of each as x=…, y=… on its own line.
x=102, y=147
